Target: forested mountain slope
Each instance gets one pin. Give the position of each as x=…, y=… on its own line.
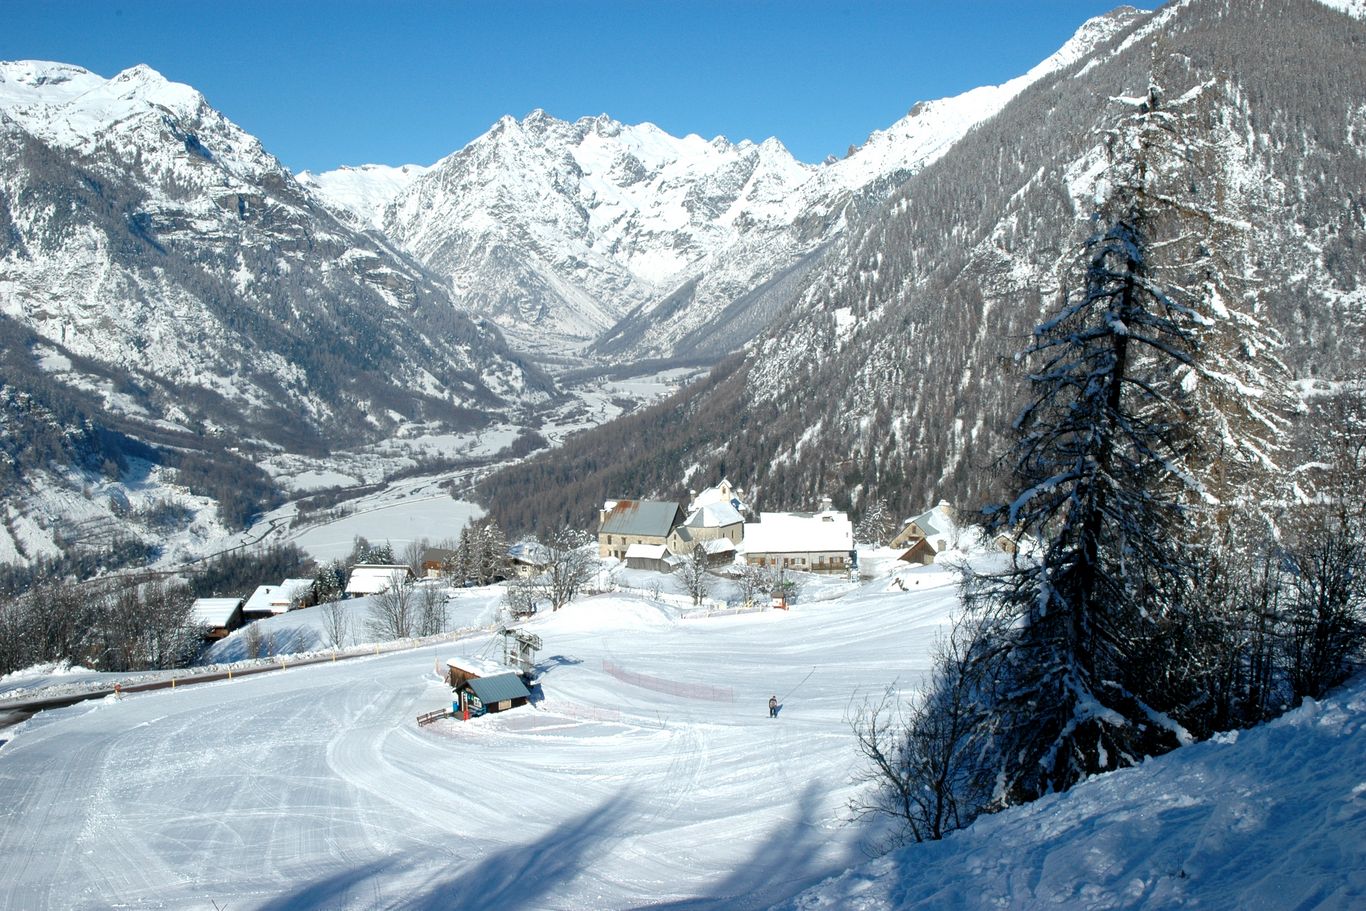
x=167, y=277
x=893, y=374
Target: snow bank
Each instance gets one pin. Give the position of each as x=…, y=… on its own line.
x=1273, y=817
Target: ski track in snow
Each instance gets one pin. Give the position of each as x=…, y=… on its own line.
x=314, y=787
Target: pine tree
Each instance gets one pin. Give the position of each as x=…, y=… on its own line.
x=1103, y=459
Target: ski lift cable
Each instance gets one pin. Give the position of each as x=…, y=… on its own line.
x=798, y=686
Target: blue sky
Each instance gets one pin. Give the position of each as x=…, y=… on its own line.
x=349, y=82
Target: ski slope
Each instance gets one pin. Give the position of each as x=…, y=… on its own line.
x=314, y=788
x=647, y=775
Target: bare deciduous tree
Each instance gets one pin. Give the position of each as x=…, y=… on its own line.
x=695, y=577
x=926, y=772
x=393, y=613
x=569, y=567
x=754, y=581
x=336, y=624
x=431, y=610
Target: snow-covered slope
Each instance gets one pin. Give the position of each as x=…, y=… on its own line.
x=654, y=245
x=1273, y=817
x=647, y=775
x=362, y=192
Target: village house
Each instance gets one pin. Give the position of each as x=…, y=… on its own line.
x=373, y=578
x=713, y=522
x=218, y=616
x=622, y=523
x=821, y=542
x=270, y=600
x=928, y=534
x=436, y=561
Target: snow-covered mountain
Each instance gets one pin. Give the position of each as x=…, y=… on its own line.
x=362, y=192
x=163, y=276
x=890, y=372
x=646, y=244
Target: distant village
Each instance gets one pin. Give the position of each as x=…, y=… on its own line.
x=716, y=529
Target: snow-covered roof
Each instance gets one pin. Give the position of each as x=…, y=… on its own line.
x=264, y=600
x=214, y=611
x=371, y=578
x=277, y=598
x=714, y=515
x=477, y=667
x=723, y=493
x=786, y=532
x=719, y=546
x=651, y=518
x=937, y=522
x=646, y=552
x=531, y=552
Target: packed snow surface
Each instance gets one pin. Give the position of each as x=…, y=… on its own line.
x=646, y=774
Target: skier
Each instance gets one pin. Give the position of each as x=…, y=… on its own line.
x=773, y=706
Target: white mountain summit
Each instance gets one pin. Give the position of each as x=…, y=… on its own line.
x=642, y=244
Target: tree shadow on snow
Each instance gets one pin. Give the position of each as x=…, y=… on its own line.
x=785, y=863
x=520, y=875
x=331, y=891
x=515, y=877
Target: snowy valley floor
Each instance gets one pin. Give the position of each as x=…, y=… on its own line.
x=314, y=787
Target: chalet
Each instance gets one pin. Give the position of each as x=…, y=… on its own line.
x=1015, y=542
x=527, y=559
x=485, y=686
x=821, y=542
x=295, y=593
x=437, y=561
x=938, y=526
x=218, y=616
x=373, y=578
x=714, y=522
x=622, y=523
x=269, y=600
x=724, y=492
x=921, y=551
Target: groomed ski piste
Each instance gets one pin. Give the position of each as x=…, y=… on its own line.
x=646, y=775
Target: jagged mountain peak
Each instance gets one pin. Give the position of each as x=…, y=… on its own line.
x=595, y=226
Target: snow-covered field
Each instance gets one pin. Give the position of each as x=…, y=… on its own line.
x=646, y=775
x=314, y=787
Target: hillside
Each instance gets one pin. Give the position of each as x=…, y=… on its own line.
x=646, y=776
x=891, y=373
x=169, y=282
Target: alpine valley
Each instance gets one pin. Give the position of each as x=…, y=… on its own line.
x=184, y=321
